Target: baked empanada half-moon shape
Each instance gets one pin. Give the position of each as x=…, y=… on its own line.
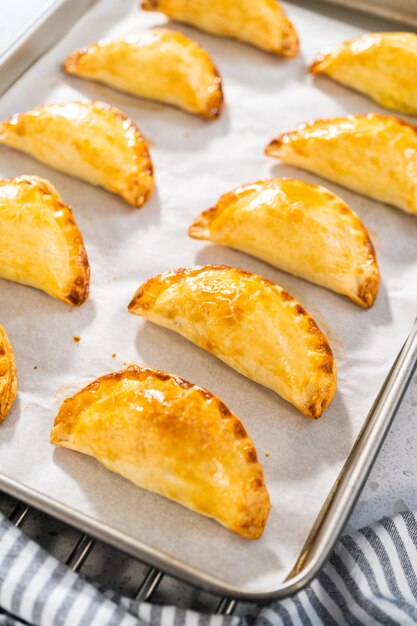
x=40, y=243
x=380, y=65
x=375, y=155
x=92, y=141
x=169, y=436
x=158, y=64
x=8, y=378
x=249, y=323
x=300, y=228
x=262, y=23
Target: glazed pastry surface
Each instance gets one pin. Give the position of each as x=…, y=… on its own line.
x=262, y=23
x=301, y=228
x=89, y=140
x=169, y=436
x=8, y=377
x=249, y=323
x=380, y=65
x=375, y=155
x=40, y=243
x=158, y=64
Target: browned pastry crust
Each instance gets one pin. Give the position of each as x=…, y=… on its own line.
x=299, y=227
x=262, y=23
x=249, y=323
x=92, y=141
x=158, y=64
x=40, y=242
x=8, y=377
x=372, y=154
x=171, y=437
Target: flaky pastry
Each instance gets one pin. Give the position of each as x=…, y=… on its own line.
x=262, y=23
x=301, y=228
x=8, y=378
x=375, y=155
x=158, y=64
x=249, y=323
x=380, y=65
x=89, y=140
x=169, y=436
x=40, y=243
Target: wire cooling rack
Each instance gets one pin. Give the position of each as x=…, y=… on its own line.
x=108, y=567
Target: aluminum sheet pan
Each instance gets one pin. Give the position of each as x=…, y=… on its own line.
x=42, y=25
x=195, y=162
x=401, y=11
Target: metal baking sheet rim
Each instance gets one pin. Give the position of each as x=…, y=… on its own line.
x=393, y=10
x=350, y=482
x=329, y=523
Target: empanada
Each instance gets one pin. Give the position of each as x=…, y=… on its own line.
x=8, y=378
x=249, y=323
x=380, y=65
x=372, y=154
x=158, y=64
x=262, y=23
x=40, y=243
x=89, y=140
x=171, y=437
x=301, y=228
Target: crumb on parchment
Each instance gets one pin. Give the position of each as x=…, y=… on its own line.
x=76, y=339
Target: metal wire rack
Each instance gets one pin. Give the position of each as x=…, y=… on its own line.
x=112, y=569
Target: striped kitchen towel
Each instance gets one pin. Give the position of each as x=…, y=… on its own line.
x=371, y=578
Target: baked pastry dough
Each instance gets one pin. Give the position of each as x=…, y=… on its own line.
x=380, y=65
x=40, y=243
x=8, y=378
x=249, y=323
x=372, y=154
x=159, y=64
x=301, y=228
x=171, y=437
x=89, y=140
x=262, y=23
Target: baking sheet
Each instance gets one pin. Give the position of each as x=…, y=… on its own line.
x=195, y=162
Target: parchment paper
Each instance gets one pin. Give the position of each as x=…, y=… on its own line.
x=195, y=162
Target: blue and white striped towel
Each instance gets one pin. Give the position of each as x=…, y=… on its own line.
x=371, y=578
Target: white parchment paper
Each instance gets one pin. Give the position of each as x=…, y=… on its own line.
x=195, y=162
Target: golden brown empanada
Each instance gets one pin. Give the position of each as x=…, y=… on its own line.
x=89, y=140
x=249, y=323
x=372, y=154
x=159, y=64
x=262, y=23
x=301, y=228
x=40, y=243
x=8, y=378
x=171, y=437
x=380, y=65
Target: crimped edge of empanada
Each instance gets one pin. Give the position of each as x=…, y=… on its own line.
x=147, y=293
x=80, y=287
x=214, y=103
x=257, y=512
x=273, y=148
x=319, y=64
x=8, y=379
x=290, y=40
x=368, y=284
x=134, y=194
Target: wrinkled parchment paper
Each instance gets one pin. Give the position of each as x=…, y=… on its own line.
x=196, y=161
